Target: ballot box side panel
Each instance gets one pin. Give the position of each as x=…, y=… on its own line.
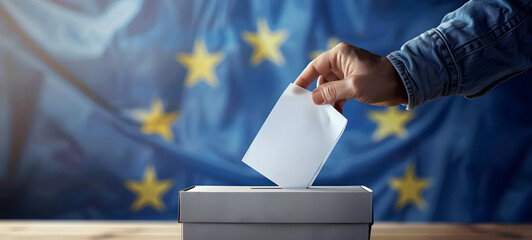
x=278, y=231
x=276, y=207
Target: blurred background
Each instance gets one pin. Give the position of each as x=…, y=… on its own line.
x=109, y=108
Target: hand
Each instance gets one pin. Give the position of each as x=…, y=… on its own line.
x=348, y=72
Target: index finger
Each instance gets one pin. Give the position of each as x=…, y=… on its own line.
x=317, y=67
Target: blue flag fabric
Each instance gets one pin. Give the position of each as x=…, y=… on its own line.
x=4, y=126
x=109, y=108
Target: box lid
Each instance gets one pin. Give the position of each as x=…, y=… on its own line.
x=245, y=204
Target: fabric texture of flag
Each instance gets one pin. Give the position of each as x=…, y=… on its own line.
x=109, y=108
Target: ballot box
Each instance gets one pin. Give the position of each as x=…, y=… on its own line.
x=266, y=213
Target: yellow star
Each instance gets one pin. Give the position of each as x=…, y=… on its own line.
x=200, y=64
x=148, y=191
x=409, y=188
x=266, y=44
x=390, y=122
x=156, y=121
x=333, y=41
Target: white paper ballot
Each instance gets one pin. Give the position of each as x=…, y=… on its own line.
x=295, y=140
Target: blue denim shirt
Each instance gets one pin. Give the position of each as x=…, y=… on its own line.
x=473, y=49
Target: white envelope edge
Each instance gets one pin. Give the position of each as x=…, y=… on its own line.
x=334, y=145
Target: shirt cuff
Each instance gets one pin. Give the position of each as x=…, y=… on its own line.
x=426, y=67
x=405, y=77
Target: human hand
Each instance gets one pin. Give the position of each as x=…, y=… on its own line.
x=348, y=72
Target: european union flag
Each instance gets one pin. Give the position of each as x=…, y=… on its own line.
x=109, y=108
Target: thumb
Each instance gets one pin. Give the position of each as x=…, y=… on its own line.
x=333, y=91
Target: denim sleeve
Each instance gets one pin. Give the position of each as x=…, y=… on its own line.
x=473, y=49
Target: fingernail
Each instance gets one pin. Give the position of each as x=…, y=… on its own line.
x=317, y=97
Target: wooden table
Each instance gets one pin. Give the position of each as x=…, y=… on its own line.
x=44, y=230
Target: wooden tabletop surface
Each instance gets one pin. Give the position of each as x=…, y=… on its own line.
x=90, y=230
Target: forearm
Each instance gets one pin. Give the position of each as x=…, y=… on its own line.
x=474, y=48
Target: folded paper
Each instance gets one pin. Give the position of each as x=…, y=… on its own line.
x=295, y=140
